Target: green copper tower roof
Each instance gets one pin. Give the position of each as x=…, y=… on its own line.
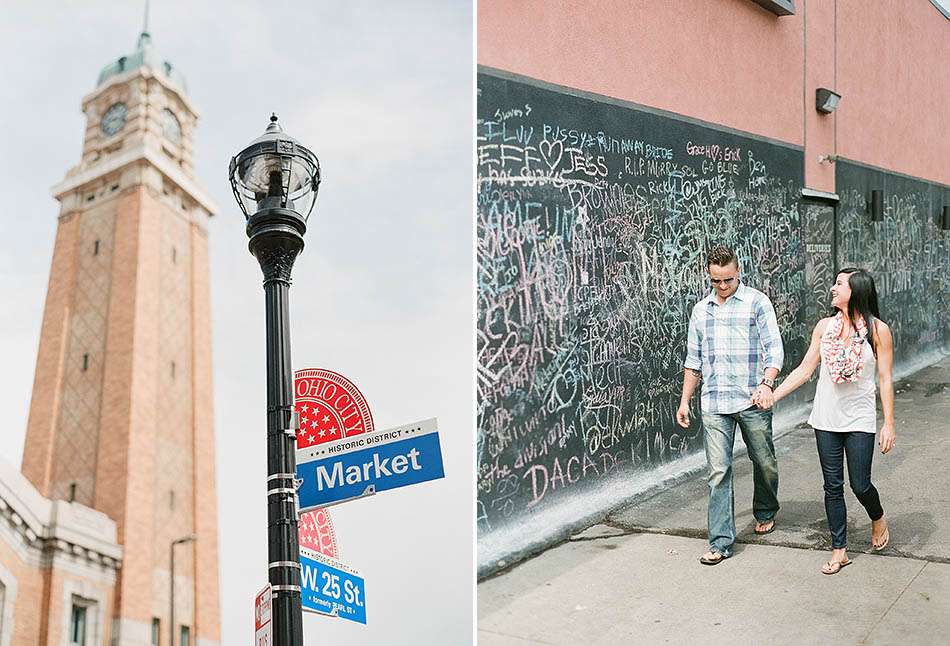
x=143, y=56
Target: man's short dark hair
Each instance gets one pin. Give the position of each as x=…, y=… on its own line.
x=722, y=255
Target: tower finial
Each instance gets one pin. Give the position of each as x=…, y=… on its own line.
x=145, y=38
x=273, y=126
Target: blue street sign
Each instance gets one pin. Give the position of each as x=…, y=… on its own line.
x=375, y=462
x=329, y=587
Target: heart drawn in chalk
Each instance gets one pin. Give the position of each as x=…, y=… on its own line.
x=551, y=152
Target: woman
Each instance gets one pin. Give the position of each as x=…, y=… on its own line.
x=849, y=345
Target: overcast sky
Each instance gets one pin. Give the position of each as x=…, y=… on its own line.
x=381, y=91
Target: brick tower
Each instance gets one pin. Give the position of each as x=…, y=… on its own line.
x=121, y=415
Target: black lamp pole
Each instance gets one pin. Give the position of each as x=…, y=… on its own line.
x=276, y=248
x=275, y=175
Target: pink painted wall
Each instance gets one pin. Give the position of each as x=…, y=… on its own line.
x=819, y=61
x=733, y=63
x=727, y=61
x=894, y=75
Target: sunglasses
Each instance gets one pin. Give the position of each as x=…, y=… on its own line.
x=724, y=281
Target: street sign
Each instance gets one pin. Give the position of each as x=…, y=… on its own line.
x=330, y=406
x=353, y=467
x=315, y=531
x=262, y=613
x=330, y=588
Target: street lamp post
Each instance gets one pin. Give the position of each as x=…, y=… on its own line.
x=171, y=609
x=275, y=181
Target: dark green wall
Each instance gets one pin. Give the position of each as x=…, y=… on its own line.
x=907, y=253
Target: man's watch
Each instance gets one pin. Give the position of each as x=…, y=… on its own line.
x=768, y=382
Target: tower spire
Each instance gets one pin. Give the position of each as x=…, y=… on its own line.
x=145, y=38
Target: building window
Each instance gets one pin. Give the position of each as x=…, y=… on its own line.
x=173, y=369
x=185, y=636
x=77, y=626
x=85, y=362
x=95, y=248
x=72, y=492
x=174, y=255
x=156, y=631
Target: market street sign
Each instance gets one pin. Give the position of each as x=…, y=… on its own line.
x=335, y=472
x=330, y=588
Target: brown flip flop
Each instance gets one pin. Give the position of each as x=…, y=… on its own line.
x=718, y=557
x=762, y=532
x=833, y=567
x=886, y=537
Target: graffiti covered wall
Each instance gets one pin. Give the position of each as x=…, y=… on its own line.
x=907, y=253
x=594, y=218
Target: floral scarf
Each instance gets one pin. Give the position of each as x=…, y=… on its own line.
x=844, y=360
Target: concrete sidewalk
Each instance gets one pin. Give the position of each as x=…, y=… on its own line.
x=636, y=577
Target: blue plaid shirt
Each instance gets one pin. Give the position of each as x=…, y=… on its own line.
x=733, y=344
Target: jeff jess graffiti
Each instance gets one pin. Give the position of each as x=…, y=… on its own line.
x=593, y=223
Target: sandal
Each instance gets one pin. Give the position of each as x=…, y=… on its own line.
x=715, y=559
x=885, y=539
x=760, y=528
x=833, y=567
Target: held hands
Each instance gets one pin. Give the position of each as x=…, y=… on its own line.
x=763, y=397
x=886, y=438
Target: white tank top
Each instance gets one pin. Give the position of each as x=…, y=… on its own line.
x=849, y=406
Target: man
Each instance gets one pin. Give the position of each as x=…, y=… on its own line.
x=735, y=346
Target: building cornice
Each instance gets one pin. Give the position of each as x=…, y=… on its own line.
x=78, y=178
x=48, y=527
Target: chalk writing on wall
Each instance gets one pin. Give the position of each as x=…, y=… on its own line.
x=593, y=223
x=907, y=253
x=819, y=231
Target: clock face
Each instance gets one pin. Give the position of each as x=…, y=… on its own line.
x=170, y=126
x=114, y=118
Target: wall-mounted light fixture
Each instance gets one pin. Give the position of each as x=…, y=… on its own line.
x=876, y=206
x=826, y=100
x=945, y=220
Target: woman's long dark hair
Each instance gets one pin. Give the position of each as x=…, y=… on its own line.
x=863, y=301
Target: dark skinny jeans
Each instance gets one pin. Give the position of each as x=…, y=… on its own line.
x=859, y=449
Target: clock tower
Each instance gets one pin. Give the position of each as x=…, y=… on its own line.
x=121, y=414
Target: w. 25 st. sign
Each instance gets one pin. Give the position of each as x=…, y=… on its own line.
x=329, y=587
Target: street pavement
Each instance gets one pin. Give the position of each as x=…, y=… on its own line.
x=636, y=578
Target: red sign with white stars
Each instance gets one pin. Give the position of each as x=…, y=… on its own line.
x=315, y=530
x=331, y=407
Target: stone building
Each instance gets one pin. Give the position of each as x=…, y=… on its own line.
x=118, y=465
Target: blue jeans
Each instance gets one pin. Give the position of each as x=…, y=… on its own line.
x=719, y=431
x=859, y=447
